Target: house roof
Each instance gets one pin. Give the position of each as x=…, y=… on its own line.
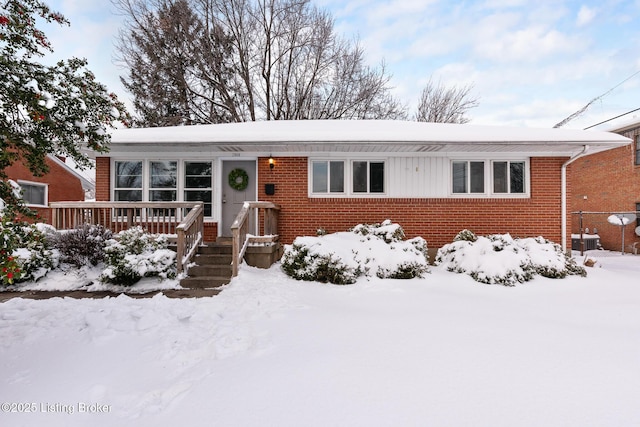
x=626, y=125
x=316, y=136
x=87, y=185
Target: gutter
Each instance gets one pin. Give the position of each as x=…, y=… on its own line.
x=563, y=191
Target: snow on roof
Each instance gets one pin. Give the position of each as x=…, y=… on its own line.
x=323, y=135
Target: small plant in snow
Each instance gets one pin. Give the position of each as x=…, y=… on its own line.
x=465, y=235
x=136, y=254
x=341, y=258
x=500, y=259
x=82, y=246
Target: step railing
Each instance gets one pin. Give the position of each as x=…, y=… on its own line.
x=181, y=221
x=190, y=235
x=246, y=229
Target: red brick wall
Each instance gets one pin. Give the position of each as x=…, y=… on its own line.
x=103, y=179
x=437, y=220
x=611, y=182
x=64, y=186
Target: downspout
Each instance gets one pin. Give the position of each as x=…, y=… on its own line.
x=563, y=192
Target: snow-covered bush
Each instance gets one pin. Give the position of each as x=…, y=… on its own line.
x=548, y=260
x=387, y=231
x=135, y=254
x=341, y=258
x=25, y=254
x=466, y=235
x=301, y=262
x=500, y=259
x=83, y=245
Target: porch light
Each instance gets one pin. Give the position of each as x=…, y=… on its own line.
x=272, y=163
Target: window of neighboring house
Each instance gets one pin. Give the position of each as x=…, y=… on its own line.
x=163, y=182
x=368, y=177
x=128, y=181
x=637, y=147
x=327, y=176
x=509, y=177
x=468, y=177
x=637, y=214
x=34, y=193
x=198, y=184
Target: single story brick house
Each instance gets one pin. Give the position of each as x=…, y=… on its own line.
x=433, y=179
x=609, y=182
x=61, y=183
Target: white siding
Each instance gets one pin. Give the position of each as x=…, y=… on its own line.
x=420, y=177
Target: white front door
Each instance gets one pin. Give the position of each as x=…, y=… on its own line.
x=242, y=172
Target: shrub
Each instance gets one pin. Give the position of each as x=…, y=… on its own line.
x=24, y=254
x=387, y=231
x=466, y=236
x=500, y=259
x=136, y=254
x=341, y=258
x=83, y=245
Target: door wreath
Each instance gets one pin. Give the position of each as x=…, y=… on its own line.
x=238, y=179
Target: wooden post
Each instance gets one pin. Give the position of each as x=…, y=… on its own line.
x=180, y=249
x=235, y=252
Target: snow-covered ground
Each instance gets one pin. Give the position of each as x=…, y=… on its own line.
x=271, y=351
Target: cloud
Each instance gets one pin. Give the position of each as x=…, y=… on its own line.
x=585, y=16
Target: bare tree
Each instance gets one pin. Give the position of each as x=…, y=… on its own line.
x=250, y=60
x=439, y=104
x=164, y=46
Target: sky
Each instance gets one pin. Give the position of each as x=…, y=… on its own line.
x=530, y=63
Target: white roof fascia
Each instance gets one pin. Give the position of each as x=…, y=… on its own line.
x=382, y=136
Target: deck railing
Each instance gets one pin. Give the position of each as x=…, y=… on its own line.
x=246, y=229
x=181, y=220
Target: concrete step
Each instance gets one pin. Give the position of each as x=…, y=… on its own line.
x=199, y=270
x=216, y=259
x=215, y=249
x=204, y=282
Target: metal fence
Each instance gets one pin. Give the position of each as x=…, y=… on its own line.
x=612, y=230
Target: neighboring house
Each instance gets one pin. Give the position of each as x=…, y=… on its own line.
x=61, y=183
x=607, y=183
x=433, y=179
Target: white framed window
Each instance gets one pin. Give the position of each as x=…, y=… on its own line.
x=367, y=176
x=164, y=180
x=34, y=193
x=198, y=184
x=127, y=181
x=468, y=177
x=327, y=176
x=494, y=178
x=347, y=177
x=509, y=177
